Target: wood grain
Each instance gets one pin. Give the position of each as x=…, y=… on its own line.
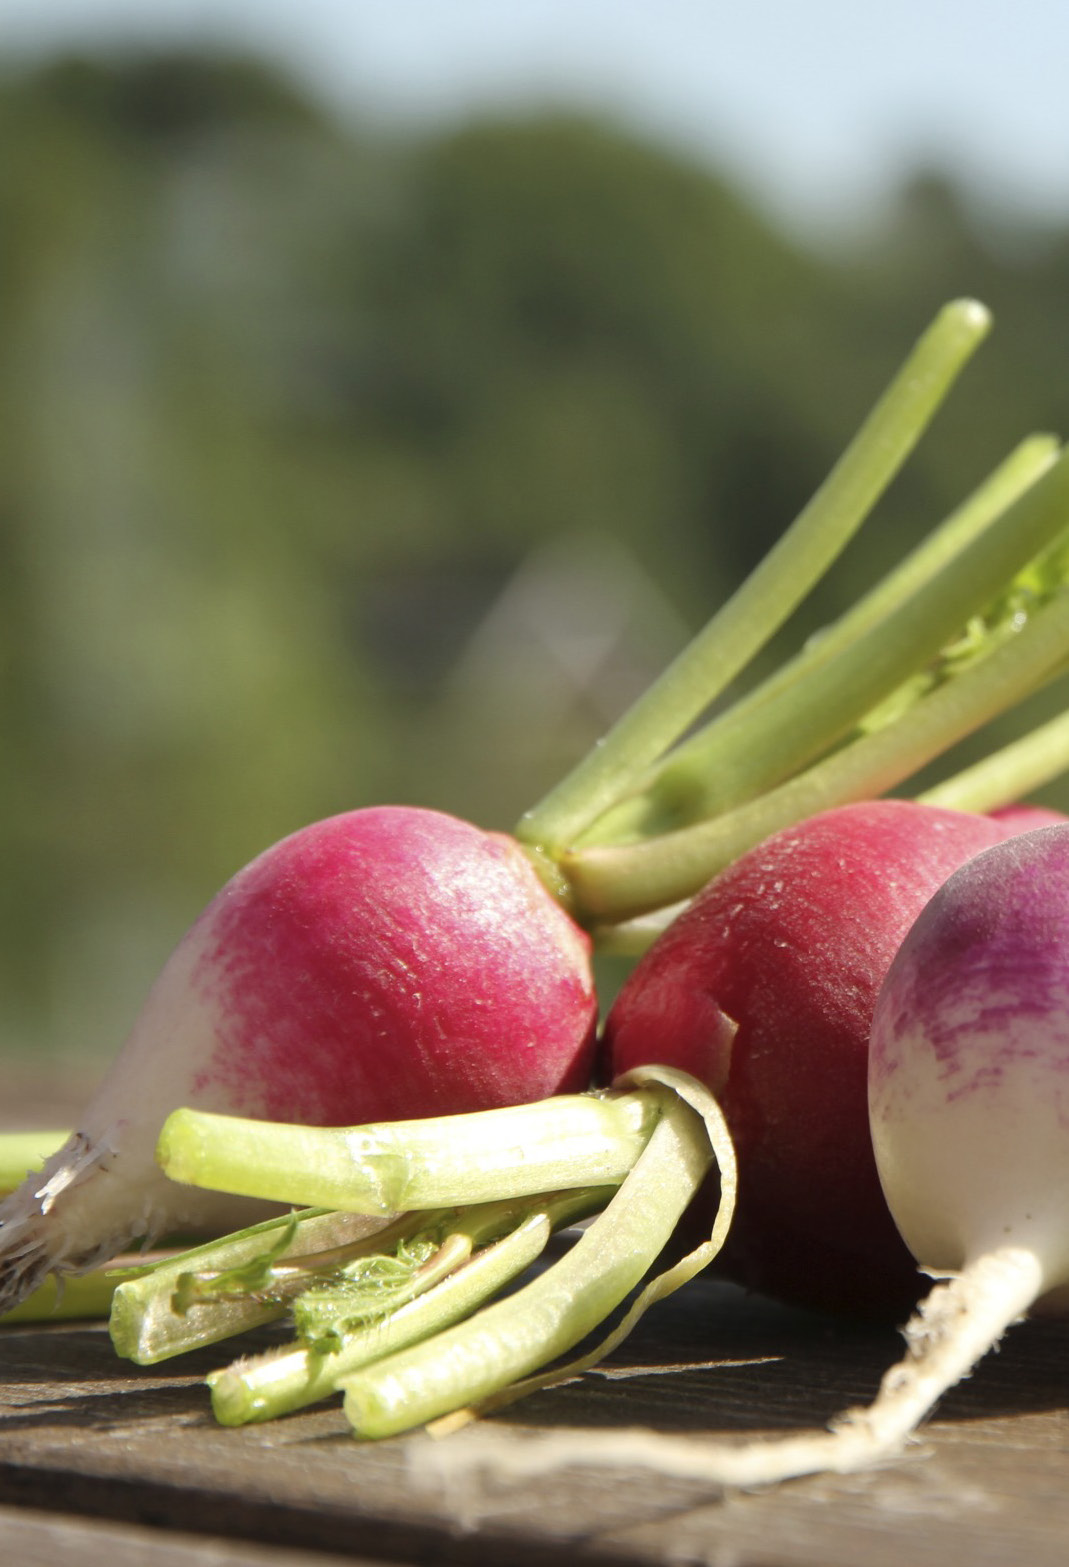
x=125, y=1464
x=83, y=1433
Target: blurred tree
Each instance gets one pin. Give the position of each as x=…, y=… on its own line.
x=311, y=437
x=177, y=692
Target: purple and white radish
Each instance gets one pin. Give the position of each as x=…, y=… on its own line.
x=969, y=1103
x=385, y=963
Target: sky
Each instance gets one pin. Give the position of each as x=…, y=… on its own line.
x=819, y=108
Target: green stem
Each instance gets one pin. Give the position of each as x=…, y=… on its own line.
x=1017, y=473
x=619, y=883
x=773, y=590
x=656, y=805
x=663, y=1284
x=146, y=1326
x=630, y=938
x=754, y=746
x=288, y=1379
x=574, y=1140
x=1009, y=774
x=478, y=1359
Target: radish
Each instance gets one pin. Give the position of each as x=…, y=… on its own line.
x=382, y=963
x=969, y=1106
x=764, y=990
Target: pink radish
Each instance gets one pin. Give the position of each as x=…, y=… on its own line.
x=764, y=989
x=383, y=963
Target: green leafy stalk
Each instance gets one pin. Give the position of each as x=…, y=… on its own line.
x=228, y=1281
x=1009, y=481
x=1011, y=773
x=486, y=1355
x=686, y=785
x=155, y=1314
x=384, y=1296
x=374, y=1287
x=574, y=1140
x=755, y=746
x=772, y=591
x=620, y=883
x=288, y=1379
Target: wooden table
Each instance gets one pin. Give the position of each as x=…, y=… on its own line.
x=124, y=1465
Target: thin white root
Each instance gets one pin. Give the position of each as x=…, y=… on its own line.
x=954, y=1327
x=28, y=1240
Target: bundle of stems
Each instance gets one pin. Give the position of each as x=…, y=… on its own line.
x=400, y=1318
x=968, y=625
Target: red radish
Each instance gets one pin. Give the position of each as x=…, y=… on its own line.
x=1016, y=819
x=383, y=963
x=764, y=989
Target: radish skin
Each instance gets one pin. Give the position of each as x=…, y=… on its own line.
x=382, y=963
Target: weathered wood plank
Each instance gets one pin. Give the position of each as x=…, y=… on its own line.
x=82, y=1431
x=29, y=1538
x=126, y=1464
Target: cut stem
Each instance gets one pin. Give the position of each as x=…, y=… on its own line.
x=146, y=1326
x=772, y=591
x=325, y=1310
x=289, y=1379
x=574, y=1140
x=480, y=1358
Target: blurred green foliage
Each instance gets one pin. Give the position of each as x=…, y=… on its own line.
x=339, y=467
